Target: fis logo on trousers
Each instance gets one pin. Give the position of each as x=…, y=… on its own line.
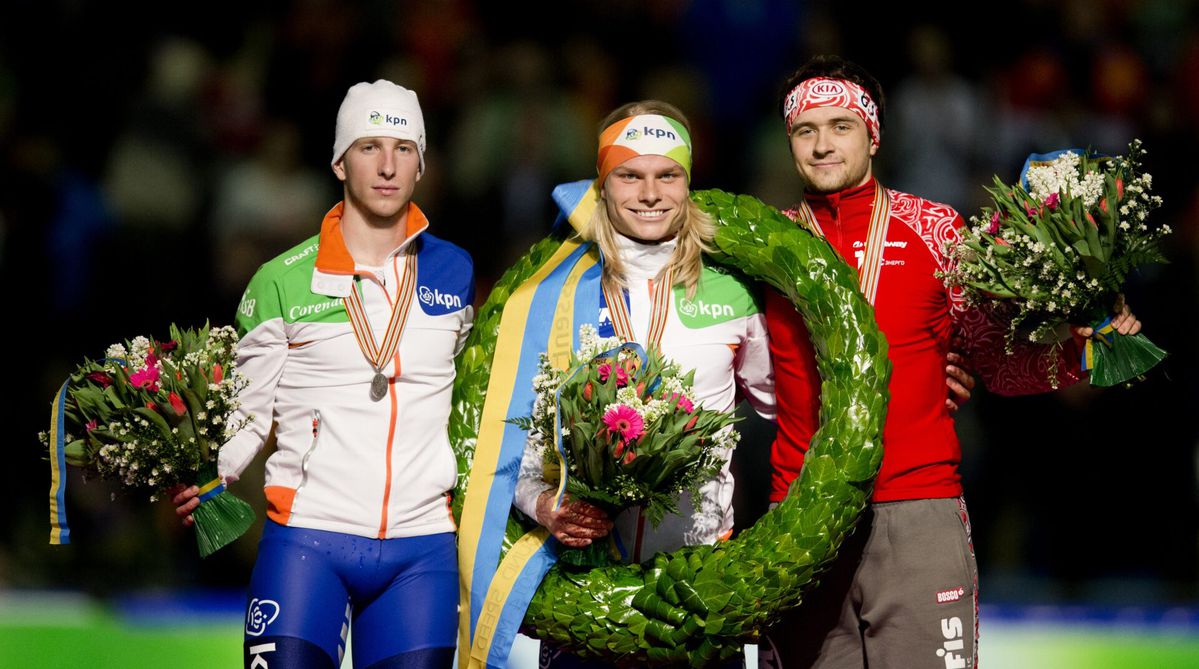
x=435, y=298
x=952, y=630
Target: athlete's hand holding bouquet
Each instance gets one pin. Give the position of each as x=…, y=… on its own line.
x=151, y=415
x=1055, y=249
x=620, y=428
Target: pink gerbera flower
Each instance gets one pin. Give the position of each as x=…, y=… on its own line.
x=624, y=421
x=147, y=378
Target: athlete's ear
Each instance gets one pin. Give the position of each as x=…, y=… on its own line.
x=339, y=168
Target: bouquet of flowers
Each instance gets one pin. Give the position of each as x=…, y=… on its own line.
x=151, y=415
x=1056, y=248
x=620, y=428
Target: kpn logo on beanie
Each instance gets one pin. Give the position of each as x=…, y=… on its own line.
x=386, y=119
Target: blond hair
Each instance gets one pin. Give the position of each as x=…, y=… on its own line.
x=696, y=229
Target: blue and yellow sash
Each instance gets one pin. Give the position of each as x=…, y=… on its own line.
x=542, y=315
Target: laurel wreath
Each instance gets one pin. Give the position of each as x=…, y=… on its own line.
x=700, y=604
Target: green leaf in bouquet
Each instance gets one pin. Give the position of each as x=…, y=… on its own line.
x=154, y=419
x=91, y=400
x=1048, y=223
x=113, y=397
x=77, y=453
x=187, y=430
x=1099, y=250
x=1042, y=234
x=1113, y=210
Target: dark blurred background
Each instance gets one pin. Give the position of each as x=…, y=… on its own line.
x=151, y=156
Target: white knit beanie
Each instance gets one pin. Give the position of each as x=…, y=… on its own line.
x=381, y=109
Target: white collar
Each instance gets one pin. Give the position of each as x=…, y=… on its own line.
x=641, y=260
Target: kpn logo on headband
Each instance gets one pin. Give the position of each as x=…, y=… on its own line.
x=387, y=120
x=651, y=132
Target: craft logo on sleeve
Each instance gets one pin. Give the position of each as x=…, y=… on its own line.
x=951, y=630
x=261, y=613
x=308, y=250
x=433, y=297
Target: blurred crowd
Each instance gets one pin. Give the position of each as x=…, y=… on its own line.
x=150, y=162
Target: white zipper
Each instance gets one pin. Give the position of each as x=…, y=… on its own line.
x=316, y=433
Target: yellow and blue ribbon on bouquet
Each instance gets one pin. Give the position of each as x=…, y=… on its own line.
x=1103, y=332
x=60, y=531
x=211, y=489
x=542, y=315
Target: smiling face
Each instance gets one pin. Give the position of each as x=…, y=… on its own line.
x=645, y=196
x=831, y=148
x=380, y=175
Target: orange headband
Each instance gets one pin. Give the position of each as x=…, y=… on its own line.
x=643, y=135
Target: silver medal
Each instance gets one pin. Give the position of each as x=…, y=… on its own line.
x=378, y=386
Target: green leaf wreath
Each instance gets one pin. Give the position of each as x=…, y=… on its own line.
x=700, y=604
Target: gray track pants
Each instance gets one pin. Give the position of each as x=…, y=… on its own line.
x=901, y=595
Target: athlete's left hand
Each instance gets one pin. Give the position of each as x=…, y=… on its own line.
x=185, y=499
